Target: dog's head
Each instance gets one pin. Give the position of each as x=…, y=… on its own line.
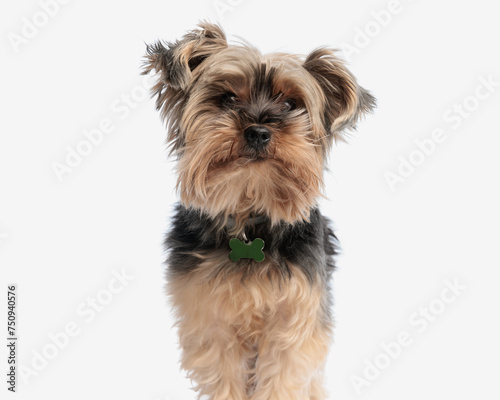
x=252, y=131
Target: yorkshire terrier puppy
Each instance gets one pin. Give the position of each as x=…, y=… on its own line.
x=250, y=254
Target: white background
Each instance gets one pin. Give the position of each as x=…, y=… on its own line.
x=60, y=241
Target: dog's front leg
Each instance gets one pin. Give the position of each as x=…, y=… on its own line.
x=212, y=353
x=294, y=346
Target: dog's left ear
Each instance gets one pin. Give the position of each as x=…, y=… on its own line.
x=345, y=100
x=175, y=64
x=177, y=61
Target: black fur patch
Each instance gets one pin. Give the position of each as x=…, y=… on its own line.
x=310, y=246
x=263, y=81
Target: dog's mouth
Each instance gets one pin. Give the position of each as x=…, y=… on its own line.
x=243, y=160
x=258, y=158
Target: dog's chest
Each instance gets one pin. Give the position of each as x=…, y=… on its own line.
x=246, y=304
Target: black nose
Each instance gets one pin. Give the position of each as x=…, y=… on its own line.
x=257, y=137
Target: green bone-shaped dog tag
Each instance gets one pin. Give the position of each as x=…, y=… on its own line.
x=241, y=250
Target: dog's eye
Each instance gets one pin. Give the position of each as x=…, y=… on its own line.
x=290, y=105
x=227, y=99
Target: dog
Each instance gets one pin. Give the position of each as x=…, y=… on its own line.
x=250, y=254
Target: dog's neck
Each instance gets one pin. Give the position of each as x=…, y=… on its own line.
x=231, y=222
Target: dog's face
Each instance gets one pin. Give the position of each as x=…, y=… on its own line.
x=252, y=132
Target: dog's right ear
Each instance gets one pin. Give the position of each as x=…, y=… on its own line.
x=345, y=101
x=176, y=61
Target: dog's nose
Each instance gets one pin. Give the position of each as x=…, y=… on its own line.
x=257, y=137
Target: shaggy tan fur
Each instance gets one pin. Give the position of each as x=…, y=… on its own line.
x=255, y=339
